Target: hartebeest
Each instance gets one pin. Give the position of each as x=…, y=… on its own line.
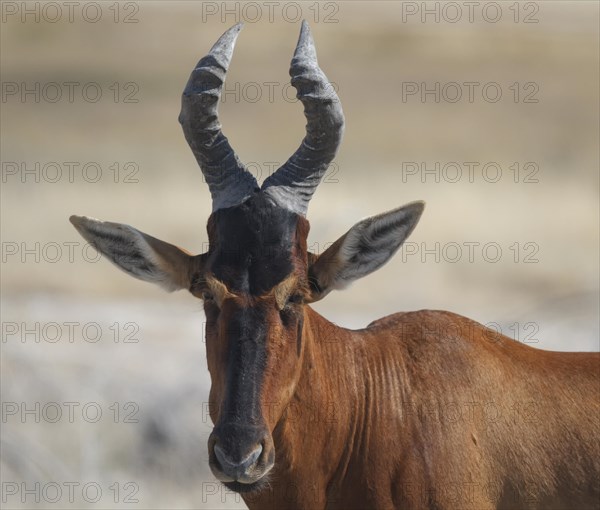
x=418, y=410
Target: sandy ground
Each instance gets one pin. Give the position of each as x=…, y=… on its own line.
x=513, y=245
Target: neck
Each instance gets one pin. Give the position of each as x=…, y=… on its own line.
x=324, y=435
x=325, y=401
x=328, y=363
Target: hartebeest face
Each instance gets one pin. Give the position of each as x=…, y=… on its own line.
x=254, y=281
x=257, y=277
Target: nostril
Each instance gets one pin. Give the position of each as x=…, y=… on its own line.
x=228, y=462
x=221, y=457
x=254, y=455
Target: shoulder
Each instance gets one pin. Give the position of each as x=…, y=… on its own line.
x=433, y=326
x=424, y=318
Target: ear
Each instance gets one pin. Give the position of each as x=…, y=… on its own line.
x=367, y=246
x=138, y=254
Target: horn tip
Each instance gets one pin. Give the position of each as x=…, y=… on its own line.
x=233, y=31
x=305, y=44
x=237, y=27
x=305, y=32
x=227, y=41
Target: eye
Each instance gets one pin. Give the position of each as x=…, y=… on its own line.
x=294, y=299
x=207, y=296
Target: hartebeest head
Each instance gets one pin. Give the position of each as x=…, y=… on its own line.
x=257, y=276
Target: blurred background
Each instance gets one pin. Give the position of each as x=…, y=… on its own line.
x=489, y=113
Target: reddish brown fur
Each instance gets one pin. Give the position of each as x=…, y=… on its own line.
x=421, y=410
x=399, y=416
x=418, y=410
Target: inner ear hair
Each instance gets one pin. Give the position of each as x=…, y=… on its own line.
x=326, y=266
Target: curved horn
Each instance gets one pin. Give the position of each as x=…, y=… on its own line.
x=227, y=178
x=293, y=185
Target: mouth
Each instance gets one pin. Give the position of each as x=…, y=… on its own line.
x=247, y=488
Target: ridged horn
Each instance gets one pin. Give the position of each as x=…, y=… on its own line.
x=294, y=183
x=229, y=181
